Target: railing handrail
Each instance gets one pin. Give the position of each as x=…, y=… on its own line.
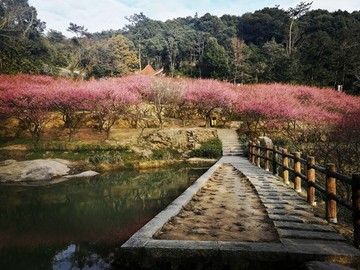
x=331, y=198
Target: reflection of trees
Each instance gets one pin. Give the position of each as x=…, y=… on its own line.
x=64, y=256
x=41, y=221
x=90, y=208
x=79, y=257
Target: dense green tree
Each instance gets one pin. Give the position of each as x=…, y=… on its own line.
x=78, y=62
x=60, y=47
x=112, y=57
x=147, y=36
x=23, y=48
x=210, y=24
x=256, y=66
x=278, y=64
x=330, y=50
x=263, y=25
x=215, y=62
x=78, y=30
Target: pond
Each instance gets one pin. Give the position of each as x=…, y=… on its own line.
x=79, y=224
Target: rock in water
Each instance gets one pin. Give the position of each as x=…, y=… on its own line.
x=31, y=170
x=83, y=174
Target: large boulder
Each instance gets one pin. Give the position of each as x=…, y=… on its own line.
x=265, y=141
x=39, y=169
x=179, y=138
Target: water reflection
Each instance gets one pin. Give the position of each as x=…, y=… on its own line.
x=73, y=259
x=78, y=223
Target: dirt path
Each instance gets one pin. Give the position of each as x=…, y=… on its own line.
x=226, y=209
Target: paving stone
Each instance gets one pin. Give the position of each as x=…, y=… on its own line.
x=299, y=219
x=268, y=201
x=330, y=248
x=310, y=235
x=303, y=226
x=292, y=212
x=306, y=207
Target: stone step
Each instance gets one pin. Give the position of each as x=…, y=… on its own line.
x=297, y=234
x=293, y=212
x=298, y=219
x=237, y=148
x=303, y=226
x=230, y=142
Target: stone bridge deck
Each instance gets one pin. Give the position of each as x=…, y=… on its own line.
x=303, y=235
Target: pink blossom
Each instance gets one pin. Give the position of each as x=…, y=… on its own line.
x=208, y=95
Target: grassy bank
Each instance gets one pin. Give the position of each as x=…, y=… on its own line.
x=104, y=156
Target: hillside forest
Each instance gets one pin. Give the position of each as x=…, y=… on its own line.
x=297, y=46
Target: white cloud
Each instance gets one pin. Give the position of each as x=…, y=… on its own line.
x=349, y=5
x=330, y=5
x=98, y=15
x=94, y=15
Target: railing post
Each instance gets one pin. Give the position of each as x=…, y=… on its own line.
x=297, y=169
x=258, y=153
x=285, y=163
x=356, y=207
x=311, y=181
x=250, y=151
x=253, y=153
x=274, y=160
x=267, y=158
x=331, y=212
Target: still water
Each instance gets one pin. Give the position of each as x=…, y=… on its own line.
x=80, y=223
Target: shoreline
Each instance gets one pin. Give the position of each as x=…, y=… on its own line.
x=52, y=171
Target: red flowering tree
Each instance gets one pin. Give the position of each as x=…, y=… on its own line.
x=343, y=145
x=28, y=99
x=71, y=99
x=208, y=95
x=284, y=108
x=139, y=85
x=163, y=94
x=109, y=100
x=136, y=83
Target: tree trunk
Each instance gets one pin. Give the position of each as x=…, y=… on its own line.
x=290, y=38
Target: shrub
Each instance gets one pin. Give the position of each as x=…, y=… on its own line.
x=109, y=157
x=209, y=149
x=161, y=154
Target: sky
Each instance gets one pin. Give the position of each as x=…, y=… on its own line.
x=98, y=15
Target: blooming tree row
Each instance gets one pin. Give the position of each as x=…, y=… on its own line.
x=33, y=99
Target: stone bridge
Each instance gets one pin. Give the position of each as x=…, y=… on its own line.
x=303, y=239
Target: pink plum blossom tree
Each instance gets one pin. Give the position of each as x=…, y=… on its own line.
x=163, y=94
x=71, y=99
x=207, y=96
x=110, y=100
x=27, y=99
